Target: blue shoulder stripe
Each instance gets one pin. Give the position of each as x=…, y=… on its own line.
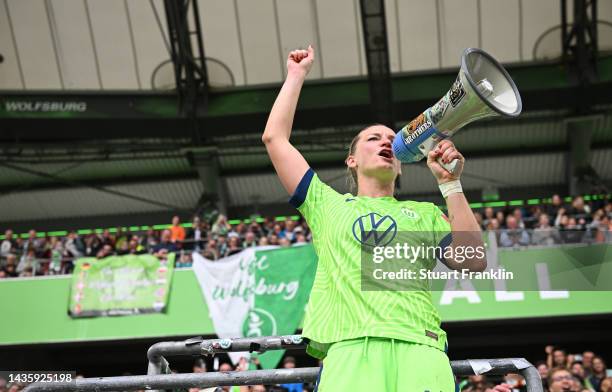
x=302, y=189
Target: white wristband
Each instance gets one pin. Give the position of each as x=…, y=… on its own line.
x=450, y=187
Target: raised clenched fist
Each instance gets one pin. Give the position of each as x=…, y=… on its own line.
x=300, y=61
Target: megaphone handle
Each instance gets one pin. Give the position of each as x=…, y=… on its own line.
x=428, y=145
x=450, y=167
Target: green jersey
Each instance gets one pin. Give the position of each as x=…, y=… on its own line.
x=338, y=308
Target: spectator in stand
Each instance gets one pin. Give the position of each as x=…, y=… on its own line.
x=211, y=251
x=608, y=209
x=29, y=262
x=600, y=226
x=221, y=227
x=501, y=218
x=107, y=238
x=300, y=239
x=105, y=251
x=571, y=232
x=222, y=245
x=543, y=371
x=134, y=247
x=598, y=372
x=199, y=366
x=177, y=232
x=289, y=363
x=263, y=241
x=184, y=261
x=579, y=210
x=226, y=367
x=513, y=235
x=278, y=231
x=250, y=240
x=544, y=233
x=532, y=218
x=284, y=243
x=33, y=243
x=489, y=214
x=493, y=225
x=121, y=239
x=268, y=225
x=194, y=239
x=517, y=213
x=555, y=205
x=11, y=266
x=8, y=244
x=559, y=380
x=73, y=247
x=273, y=239
x=577, y=370
x=150, y=240
x=256, y=229
x=239, y=230
x=479, y=218
x=555, y=357
x=233, y=245
x=587, y=361
x=289, y=231
x=56, y=256
x=606, y=385
x=165, y=245
x=92, y=244
x=299, y=231
x=122, y=248
x=474, y=383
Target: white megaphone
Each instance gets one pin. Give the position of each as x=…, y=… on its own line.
x=482, y=89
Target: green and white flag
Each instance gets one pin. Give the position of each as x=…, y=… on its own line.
x=260, y=291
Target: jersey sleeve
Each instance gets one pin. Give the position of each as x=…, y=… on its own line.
x=441, y=229
x=311, y=198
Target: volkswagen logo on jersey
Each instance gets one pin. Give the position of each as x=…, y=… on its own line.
x=374, y=229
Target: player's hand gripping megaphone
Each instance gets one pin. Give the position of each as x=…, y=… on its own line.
x=482, y=89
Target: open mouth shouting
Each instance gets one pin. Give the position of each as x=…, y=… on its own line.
x=387, y=154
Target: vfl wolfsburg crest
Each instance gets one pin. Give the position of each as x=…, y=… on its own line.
x=259, y=322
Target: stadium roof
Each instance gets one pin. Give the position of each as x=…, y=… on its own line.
x=122, y=45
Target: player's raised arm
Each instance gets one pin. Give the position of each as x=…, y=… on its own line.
x=287, y=160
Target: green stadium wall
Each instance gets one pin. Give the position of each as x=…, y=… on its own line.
x=35, y=311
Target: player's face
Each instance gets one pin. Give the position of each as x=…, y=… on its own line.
x=373, y=155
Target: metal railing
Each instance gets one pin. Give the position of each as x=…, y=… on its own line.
x=158, y=377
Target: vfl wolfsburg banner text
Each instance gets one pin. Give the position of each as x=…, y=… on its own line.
x=120, y=285
x=258, y=292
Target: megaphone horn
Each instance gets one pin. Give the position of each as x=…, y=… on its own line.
x=483, y=88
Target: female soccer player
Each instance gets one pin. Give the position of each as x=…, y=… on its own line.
x=370, y=340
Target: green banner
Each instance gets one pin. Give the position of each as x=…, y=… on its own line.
x=257, y=292
x=120, y=285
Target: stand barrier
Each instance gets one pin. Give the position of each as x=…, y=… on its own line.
x=159, y=378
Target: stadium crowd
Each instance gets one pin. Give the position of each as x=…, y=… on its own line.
x=543, y=224
x=559, y=372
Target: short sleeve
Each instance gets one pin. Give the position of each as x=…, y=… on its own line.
x=311, y=197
